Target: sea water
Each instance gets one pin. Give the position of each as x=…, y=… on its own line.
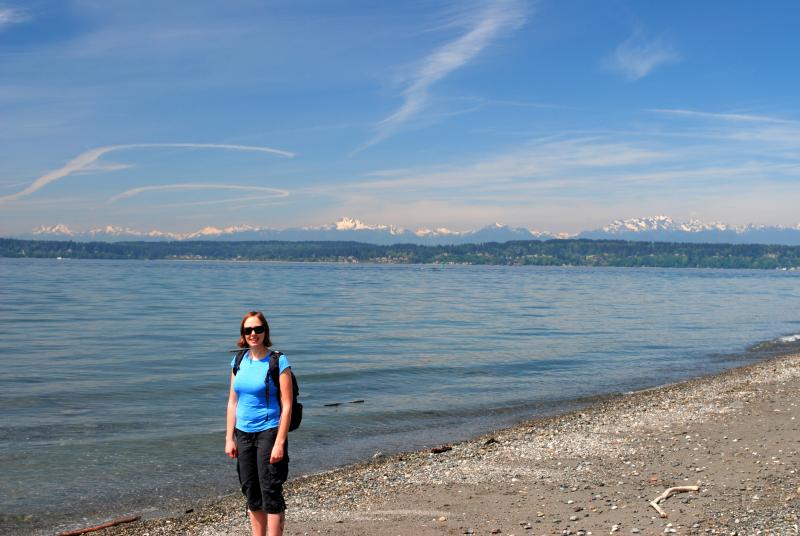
x=115, y=374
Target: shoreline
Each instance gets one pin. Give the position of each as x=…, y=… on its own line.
x=555, y=252
x=735, y=434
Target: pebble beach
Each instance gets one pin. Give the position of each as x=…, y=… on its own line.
x=736, y=436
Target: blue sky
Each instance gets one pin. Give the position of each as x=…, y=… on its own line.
x=551, y=115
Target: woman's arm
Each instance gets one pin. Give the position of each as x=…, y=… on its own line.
x=286, y=415
x=230, y=424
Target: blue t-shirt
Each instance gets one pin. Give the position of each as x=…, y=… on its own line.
x=253, y=413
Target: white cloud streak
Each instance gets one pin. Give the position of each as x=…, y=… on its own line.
x=536, y=165
x=723, y=155
x=248, y=202
x=488, y=24
x=98, y=167
x=762, y=135
x=177, y=187
x=85, y=161
x=725, y=116
x=12, y=15
x=637, y=56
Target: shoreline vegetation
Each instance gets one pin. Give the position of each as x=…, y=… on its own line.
x=592, y=471
x=610, y=253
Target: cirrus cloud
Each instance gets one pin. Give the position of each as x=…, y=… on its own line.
x=637, y=56
x=484, y=26
x=166, y=187
x=12, y=15
x=86, y=161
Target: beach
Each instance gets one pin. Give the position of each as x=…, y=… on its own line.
x=735, y=435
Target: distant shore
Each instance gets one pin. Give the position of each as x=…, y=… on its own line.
x=736, y=435
x=561, y=252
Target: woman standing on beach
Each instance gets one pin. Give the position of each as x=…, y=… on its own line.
x=258, y=425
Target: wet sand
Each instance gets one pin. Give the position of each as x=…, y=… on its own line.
x=736, y=435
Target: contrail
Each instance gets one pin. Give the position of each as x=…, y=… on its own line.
x=136, y=191
x=84, y=160
x=487, y=25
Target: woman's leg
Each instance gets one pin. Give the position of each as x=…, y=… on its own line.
x=275, y=523
x=258, y=523
x=247, y=467
x=271, y=477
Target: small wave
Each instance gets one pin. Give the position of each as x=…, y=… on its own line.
x=779, y=344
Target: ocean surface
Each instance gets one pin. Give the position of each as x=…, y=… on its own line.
x=114, y=377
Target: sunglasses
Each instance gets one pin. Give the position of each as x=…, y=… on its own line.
x=257, y=329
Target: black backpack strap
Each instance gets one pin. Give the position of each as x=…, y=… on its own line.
x=239, y=357
x=274, y=372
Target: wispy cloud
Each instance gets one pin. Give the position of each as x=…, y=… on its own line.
x=484, y=26
x=638, y=55
x=712, y=156
x=760, y=136
x=246, y=203
x=86, y=160
x=275, y=192
x=535, y=164
x=724, y=116
x=522, y=104
x=12, y=15
x=12, y=185
x=104, y=167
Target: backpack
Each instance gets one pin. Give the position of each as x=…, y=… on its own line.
x=274, y=356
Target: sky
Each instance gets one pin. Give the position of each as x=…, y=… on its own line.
x=554, y=115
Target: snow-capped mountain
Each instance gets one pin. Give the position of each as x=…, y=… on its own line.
x=665, y=229
x=652, y=229
x=341, y=230
x=352, y=224
x=109, y=233
x=663, y=223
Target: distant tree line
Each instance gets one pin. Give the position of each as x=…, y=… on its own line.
x=527, y=252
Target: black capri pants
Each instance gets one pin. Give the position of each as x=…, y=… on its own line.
x=262, y=482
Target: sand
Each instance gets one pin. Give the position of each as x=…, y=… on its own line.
x=592, y=471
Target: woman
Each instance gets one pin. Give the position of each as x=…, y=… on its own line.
x=257, y=427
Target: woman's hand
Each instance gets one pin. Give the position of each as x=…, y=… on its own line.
x=230, y=448
x=277, y=453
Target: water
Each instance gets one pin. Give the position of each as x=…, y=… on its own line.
x=115, y=373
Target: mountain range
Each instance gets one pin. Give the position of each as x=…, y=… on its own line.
x=651, y=229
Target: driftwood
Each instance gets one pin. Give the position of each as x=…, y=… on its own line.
x=334, y=404
x=668, y=493
x=443, y=448
x=112, y=523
